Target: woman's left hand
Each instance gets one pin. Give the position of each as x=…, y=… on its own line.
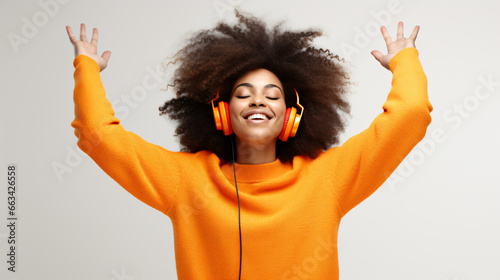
x=394, y=47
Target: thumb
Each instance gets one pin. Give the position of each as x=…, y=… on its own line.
x=378, y=55
x=106, y=56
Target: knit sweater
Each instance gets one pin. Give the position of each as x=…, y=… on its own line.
x=290, y=212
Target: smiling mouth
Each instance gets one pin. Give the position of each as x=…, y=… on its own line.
x=257, y=117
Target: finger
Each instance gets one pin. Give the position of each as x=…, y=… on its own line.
x=71, y=36
x=83, y=33
x=400, y=31
x=386, y=35
x=94, y=37
x=414, y=34
x=378, y=55
x=106, y=56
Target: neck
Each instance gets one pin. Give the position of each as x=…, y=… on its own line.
x=250, y=153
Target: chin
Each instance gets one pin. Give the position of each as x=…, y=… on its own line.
x=257, y=138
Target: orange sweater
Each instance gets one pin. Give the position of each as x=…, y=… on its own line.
x=290, y=213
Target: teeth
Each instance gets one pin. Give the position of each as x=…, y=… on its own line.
x=257, y=116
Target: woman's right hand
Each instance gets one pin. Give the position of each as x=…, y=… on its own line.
x=82, y=46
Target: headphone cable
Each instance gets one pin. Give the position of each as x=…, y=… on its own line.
x=239, y=218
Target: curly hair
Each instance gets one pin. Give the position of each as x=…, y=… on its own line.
x=214, y=59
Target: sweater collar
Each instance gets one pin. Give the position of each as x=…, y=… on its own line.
x=255, y=173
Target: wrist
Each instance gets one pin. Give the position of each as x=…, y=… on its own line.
x=401, y=55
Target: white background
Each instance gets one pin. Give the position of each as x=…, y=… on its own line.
x=438, y=219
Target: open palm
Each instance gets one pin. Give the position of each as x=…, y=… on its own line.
x=82, y=46
x=393, y=47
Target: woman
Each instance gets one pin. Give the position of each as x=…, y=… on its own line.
x=271, y=209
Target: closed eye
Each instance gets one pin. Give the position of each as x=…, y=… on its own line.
x=243, y=97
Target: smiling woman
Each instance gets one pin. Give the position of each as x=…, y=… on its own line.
x=294, y=187
x=213, y=60
x=257, y=111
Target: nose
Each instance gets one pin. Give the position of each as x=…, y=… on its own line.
x=257, y=100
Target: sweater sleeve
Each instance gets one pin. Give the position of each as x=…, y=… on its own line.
x=366, y=160
x=147, y=171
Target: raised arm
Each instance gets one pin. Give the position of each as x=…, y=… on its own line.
x=147, y=171
x=366, y=160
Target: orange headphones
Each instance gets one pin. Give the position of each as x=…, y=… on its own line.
x=290, y=125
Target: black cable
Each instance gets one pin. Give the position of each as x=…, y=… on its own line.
x=239, y=218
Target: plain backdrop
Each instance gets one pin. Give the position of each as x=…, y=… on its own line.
x=436, y=218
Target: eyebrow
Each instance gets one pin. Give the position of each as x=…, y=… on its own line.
x=251, y=86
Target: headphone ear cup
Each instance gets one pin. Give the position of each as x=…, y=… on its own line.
x=296, y=123
x=285, y=124
x=289, y=123
x=229, y=127
x=224, y=117
x=217, y=119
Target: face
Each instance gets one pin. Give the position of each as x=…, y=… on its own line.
x=257, y=107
